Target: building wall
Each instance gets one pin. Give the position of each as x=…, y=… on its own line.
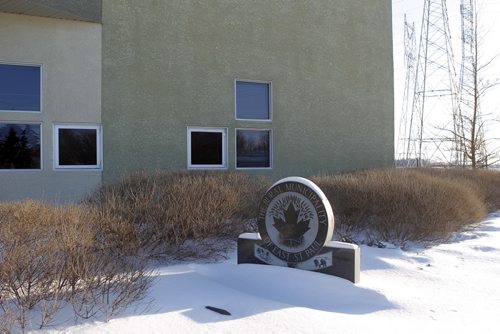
x=172, y=64
x=70, y=55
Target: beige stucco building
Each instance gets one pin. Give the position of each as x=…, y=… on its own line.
x=271, y=87
x=67, y=56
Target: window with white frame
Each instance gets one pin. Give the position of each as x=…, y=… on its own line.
x=253, y=100
x=77, y=147
x=207, y=148
x=253, y=148
x=20, y=146
x=20, y=88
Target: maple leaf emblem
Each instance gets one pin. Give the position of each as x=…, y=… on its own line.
x=291, y=230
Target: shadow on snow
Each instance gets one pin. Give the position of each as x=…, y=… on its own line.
x=248, y=289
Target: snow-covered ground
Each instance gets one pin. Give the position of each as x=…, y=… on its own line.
x=450, y=288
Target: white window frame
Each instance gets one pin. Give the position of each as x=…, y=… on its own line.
x=76, y=126
x=270, y=85
x=41, y=88
x=222, y=130
x=18, y=170
x=270, y=150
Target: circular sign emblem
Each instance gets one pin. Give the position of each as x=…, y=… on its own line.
x=295, y=219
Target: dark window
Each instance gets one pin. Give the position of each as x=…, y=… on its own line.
x=253, y=149
x=207, y=148
x=19, y=87
x=77, y=147
x=19, y=146
x=252, y=100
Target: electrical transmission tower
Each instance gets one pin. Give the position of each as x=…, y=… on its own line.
x=405, y=124
x=429, y=137
x=471, y=131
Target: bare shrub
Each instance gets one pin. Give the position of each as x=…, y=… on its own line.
x=52, y=256
x=157, y=213
x=28, y=262
x=485, y=182
x=106, y=286
x=399, y=205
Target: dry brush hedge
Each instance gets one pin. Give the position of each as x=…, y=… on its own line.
x=160, y=213
x=55, y=257
x=484, y=182
x=399, y=205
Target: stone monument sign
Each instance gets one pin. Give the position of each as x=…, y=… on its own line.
x=296, y=223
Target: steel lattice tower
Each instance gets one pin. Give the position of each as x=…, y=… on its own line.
x=429, y=136
x=405, y=124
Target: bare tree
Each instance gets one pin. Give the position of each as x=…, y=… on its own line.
x=474, y=147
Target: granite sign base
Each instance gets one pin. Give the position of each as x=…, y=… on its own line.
x=336, y=258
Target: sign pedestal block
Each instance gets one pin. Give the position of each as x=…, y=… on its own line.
x=335, y=258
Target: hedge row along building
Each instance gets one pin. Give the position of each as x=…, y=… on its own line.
x=92, y=90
